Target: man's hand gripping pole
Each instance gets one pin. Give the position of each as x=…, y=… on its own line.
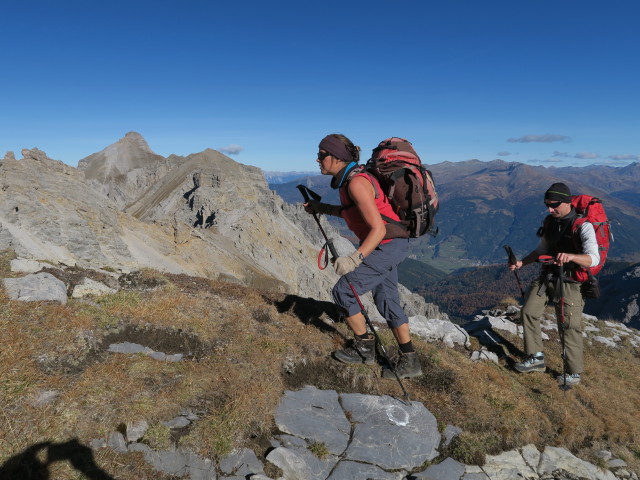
x=513, y=260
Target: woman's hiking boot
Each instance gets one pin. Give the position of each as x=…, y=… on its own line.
x=358, y=350
x=406, y=365
x=533, y=363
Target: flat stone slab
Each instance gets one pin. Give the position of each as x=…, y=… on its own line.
x=135, y=348
x=241, y=463
x=364, y=436
x=508, y=465
x=353, y=470
x=36, y=287
x=389, y=433
x=449, y=469
x=316, y=416
x=553, y=458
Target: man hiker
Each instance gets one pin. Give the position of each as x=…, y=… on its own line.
x=374, y=265
x=568, y=253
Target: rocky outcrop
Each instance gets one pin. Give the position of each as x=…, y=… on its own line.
x=488, y=326
x=324, y=435
x=123, y=170
x=619, y=299
x=204, y=214
x=208, y=217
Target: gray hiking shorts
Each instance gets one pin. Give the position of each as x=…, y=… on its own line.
x=378, y=274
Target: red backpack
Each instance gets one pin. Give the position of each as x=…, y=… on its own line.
x=590, y=210
x=408, y=185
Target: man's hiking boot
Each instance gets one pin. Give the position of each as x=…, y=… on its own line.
x=572, y=379
x=533, y=363
x=406, y=365
x=358, y=351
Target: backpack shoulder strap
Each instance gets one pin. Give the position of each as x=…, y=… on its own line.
x=544, y=227
x=577, y=223
x=357, y=171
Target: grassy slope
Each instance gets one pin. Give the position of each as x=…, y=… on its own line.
x=248, y=347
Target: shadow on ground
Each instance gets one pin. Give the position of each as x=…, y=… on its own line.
x=33, y=463
x=310, y=311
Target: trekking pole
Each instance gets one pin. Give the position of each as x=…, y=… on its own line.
x=307, y=193
x=564, y=387
x=383, y=350
x=548, y=259
x=513, y=260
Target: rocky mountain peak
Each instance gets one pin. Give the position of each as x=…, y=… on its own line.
x=121, y=170
x=135, y=140
x=127, y=154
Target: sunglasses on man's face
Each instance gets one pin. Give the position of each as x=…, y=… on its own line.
x=323, y=155
x=552, y=204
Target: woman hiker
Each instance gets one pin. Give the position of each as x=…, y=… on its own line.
x=374, y=265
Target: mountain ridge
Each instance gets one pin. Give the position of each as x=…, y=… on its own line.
x=203, y=214
x=485, y=205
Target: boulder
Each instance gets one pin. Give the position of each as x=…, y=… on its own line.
x=23, y=265
x=36, y=287
x=88, y=287
x=554, y=458
x=436, y=330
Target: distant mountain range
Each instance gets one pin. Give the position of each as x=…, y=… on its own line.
x=485, y=205
x=283, y=177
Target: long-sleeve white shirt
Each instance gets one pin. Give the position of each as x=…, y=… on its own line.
x=589, y=244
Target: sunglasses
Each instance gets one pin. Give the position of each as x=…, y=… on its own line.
x=322, y=156
x=552, y=204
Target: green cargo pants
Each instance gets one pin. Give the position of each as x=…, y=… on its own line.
x=533, y=310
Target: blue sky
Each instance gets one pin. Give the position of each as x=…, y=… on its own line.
x=540, y=82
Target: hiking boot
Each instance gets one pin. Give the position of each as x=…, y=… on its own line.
x=533, y=363
x=406, y=365
x=572, y=379
x=358, y=351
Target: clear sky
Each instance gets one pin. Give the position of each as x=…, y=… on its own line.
x=546, y=82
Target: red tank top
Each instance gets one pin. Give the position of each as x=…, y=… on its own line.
x=351, y=213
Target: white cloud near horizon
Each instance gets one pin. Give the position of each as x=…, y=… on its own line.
x=503, y=154
x=547, y=138
x=586, y=155
x=232, y=149
x=579, y=155
x=625, y=156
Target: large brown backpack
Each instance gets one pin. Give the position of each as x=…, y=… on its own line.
x=408, y=185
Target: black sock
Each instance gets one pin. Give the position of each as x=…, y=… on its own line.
x=406, y=347
x=364, y=336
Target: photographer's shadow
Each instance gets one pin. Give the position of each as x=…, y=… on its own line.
x=33, y=463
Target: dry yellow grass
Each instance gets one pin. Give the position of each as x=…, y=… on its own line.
x=246, y=348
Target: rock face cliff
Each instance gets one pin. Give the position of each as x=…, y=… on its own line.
x=127, y=208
